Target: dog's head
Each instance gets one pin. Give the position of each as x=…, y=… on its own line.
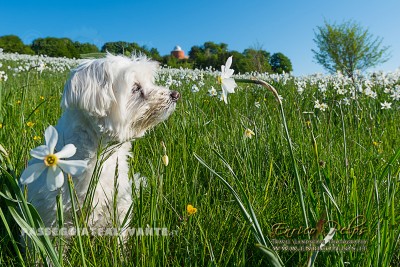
x=119, y=95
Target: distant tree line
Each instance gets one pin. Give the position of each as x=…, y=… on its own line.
x=50, y=46
x=252, y=59
x=207, y=55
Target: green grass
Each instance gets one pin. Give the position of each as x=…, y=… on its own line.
x=347, y=159
x=93, y=55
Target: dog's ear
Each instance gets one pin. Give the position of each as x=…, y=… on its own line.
x=90, y=88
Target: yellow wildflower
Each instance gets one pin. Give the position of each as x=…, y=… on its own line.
x=37, y=138
x=1, y=125
x=41, y=97
x=378, y=146
x=308, y=123
x=30, y=124
x=18, y=102
x=191, y=210
x=248, y=133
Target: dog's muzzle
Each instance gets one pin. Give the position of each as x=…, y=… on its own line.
x=175, y=96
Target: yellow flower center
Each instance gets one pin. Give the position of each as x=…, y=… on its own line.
x=219, y=79
x=51, y=160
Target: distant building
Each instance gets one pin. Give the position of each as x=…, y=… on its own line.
x=178, y=52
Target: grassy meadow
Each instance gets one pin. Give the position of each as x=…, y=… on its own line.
x=341, y=171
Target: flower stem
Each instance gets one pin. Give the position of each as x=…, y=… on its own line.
x=290, y=145
x=60, y=219
x=264, y=84
x=78, y=234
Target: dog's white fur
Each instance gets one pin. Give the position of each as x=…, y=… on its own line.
x=107, y=100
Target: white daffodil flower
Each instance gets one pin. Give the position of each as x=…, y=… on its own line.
x=228, y=84
x=195, y=88
x=320, y=106
x=212, y=91
x=386, y=105
x=52, y=164
x=248, y=133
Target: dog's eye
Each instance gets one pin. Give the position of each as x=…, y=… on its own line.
x=136, y=88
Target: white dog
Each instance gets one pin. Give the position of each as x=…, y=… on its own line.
x=107, y=100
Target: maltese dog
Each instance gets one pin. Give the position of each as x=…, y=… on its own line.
x=106, y=104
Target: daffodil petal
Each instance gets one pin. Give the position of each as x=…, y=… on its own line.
x=40, y=152
x=54, y=179
x=73, y=167
x=228, y=63
x=34, y=161
x=66, y=152
x=229, y=85
x=225, y=96
x=228, y=73
x=32, y=172
x=51, y=137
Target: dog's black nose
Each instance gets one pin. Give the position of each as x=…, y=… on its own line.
x=175, y=95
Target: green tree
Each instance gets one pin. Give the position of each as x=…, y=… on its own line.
x=173, y=62
x=348, y=47
x=280, y=63
x=55, y=47
x=154, y=54
x=257, y=60
x=209, y=54
x=252, y=59
x=13, y=44
x=85, y=48
x=197, y=56
x=126, y=48
x=117, y=48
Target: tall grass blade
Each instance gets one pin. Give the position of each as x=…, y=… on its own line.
x=249, y=217
x=75, y=218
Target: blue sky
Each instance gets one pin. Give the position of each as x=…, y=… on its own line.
x=276, y=26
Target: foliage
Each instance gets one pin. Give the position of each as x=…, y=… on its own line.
x=209, y=55
x=126, y=48
x=251, y=60
x=173, y=62
x=13, y=44
x=280, y=63
x=55, y=47
x=86, y=48
x=256, y=60
x=348, y=47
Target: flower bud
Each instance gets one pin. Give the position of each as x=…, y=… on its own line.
x=165, y=160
